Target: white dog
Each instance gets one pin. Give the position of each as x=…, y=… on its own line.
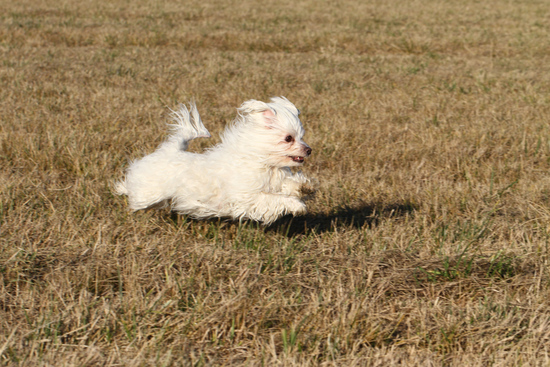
x=246, y=176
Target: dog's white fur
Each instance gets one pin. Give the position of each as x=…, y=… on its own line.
x=246, y=176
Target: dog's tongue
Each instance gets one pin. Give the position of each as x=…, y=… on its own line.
x=298, y=159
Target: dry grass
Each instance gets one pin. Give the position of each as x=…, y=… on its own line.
x=426, y=245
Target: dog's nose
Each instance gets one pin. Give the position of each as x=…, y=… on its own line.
x=308, y=151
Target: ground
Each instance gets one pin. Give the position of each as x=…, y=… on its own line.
x=426, y=244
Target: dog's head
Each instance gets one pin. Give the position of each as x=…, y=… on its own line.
x=274, y=130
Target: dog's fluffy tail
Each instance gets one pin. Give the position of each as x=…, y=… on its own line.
x=119, y=188
x=186, y=127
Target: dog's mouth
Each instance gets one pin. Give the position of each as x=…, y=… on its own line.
x=297, y=159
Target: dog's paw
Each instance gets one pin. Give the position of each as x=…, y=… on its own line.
x=296, y=207
x=309, y=188
x=300, y=186
x=291, y=187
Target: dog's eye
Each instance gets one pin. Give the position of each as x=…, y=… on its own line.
x=289, y=139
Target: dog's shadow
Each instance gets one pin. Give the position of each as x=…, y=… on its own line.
x=357, y=216
x=354, y=216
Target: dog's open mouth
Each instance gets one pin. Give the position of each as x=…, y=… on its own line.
x=297, y=159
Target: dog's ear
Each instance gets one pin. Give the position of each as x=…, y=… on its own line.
x=253, y=106
x=269, y=114
x=256, y=107
x=282, y=101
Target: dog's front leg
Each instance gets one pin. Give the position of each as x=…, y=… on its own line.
x=268, y=207
x=298, y=185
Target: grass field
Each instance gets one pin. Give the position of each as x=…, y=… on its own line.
x=426, y=245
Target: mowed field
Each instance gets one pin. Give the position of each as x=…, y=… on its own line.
x=427, y=243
